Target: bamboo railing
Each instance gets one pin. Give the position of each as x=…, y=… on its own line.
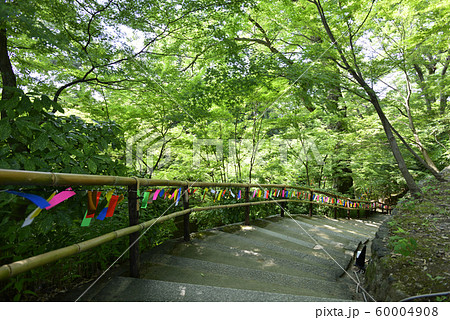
x=33, y=178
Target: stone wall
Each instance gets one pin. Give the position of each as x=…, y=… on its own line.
x=379, y=279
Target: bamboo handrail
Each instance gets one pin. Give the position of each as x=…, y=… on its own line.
x=17, y=267
x=22, y=177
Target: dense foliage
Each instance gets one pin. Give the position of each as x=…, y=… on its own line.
x=349, y=96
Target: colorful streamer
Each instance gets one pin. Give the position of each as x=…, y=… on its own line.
x=60, y=197
x=35, y=213
x=179, y=192
x=115, y=200
x=145, y=200
x=37, y=200
x=102, y=213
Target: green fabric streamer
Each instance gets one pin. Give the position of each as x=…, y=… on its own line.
x=145, y=200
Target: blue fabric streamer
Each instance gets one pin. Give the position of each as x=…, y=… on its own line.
x=161, y=193
x=179, y=196
x=39, y=201
x=102, y=214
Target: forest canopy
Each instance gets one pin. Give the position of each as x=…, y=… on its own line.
x=347, y=96
x=350, y=96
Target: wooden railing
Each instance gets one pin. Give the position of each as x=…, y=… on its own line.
x=32, y=178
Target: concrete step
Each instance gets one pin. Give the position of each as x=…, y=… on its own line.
x=275, y=259
x=208, y=250
x=360, y=226
x=186, y=270
x=139, y=290
x=239, y=241
x=323, y=235
x=299, y=242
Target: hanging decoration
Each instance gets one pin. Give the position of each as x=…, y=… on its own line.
x=37, y=200
x=35, y=213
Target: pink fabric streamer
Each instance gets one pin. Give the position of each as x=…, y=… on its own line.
x=155, y=196
x=60, y=197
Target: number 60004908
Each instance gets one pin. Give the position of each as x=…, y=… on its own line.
x=403, y=311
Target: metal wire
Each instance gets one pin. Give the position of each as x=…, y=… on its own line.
x=430, y=295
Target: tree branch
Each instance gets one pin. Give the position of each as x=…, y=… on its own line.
x=8, y=76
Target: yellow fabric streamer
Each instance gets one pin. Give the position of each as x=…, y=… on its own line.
x=108, y=196
x=175, y=195
x=38, y=210
x=35, y=212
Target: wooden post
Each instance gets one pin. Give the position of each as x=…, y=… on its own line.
x=348, y=210
x=335, y=208
x=133, y=216
x=311, y=205
x=382, y=208
x=282, y=205
x=187, y=234
x=247, y=209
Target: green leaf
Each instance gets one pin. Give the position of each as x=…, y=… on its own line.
x=23, y=127
x=11, y=106
x=59, y=140
x=92, y=166
x=5, y=129
x=30, y=292
x=29, y=164
x=40, y=143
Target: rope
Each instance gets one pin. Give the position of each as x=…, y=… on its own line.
x=358, y=285
x=137, y=182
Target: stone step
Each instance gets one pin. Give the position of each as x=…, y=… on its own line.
x=140, y=290
x=352, y=225
x=296, y=258
x=324, y=236
x=291, y=243
x=271, y=240
x=239, y=241
x=209, y=250
x=187, y=270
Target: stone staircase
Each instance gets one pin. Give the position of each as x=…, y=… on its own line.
x=275, y=259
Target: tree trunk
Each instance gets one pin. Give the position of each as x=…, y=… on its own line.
x=411, y=125
x=8, y=76
x=412, y=186
x=424, y=152
x=443, y=95
x=437, y=174
x=357, y=75
x=423, y=86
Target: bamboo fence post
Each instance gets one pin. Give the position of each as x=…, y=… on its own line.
x=310, y=204
x=382, y=208
x=335, y=208
x=247, y=208
x=282, y=206
x=187, y=235
x=348, y=209
x=133, y=215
